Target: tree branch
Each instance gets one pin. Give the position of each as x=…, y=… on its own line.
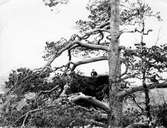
x=104, y=25
x=78, y=63
x=92, y=100
x=95, y=123
x=128, y=76
x=72, y=43
x=90, y=60
x=137, y=104
x=49, y=91
x=141, y=88
x=148, y=31
x=92, y=46
x=136, y=30
x=27, y=113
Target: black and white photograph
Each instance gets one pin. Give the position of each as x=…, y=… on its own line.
x=83, y=64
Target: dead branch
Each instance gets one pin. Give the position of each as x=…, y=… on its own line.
x=92, y=100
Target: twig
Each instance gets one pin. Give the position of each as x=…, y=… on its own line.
x=49, y=91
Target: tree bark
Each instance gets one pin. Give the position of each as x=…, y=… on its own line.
x=115, y=102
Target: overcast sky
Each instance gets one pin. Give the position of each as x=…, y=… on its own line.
x=25, y=25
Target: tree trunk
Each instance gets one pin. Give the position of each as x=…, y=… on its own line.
x=114, y=68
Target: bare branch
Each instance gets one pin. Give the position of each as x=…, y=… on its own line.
x=101, y=37
x=104, y=25
x=136, y=30
x=92, y=100
x=24, y=121
x=148, y=31
x=69, y=55
x=96, y=123
x=90, y=60
x=96, y=30
x=92, y=46
x=72, y=43
x=49, y=91
x=58, y=54
x=141, y=88
x=78, y=63
x=137, y=104
x=128, y=76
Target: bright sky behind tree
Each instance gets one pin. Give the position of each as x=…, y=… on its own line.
x=25, y=26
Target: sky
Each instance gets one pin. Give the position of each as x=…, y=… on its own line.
x=25, y=26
